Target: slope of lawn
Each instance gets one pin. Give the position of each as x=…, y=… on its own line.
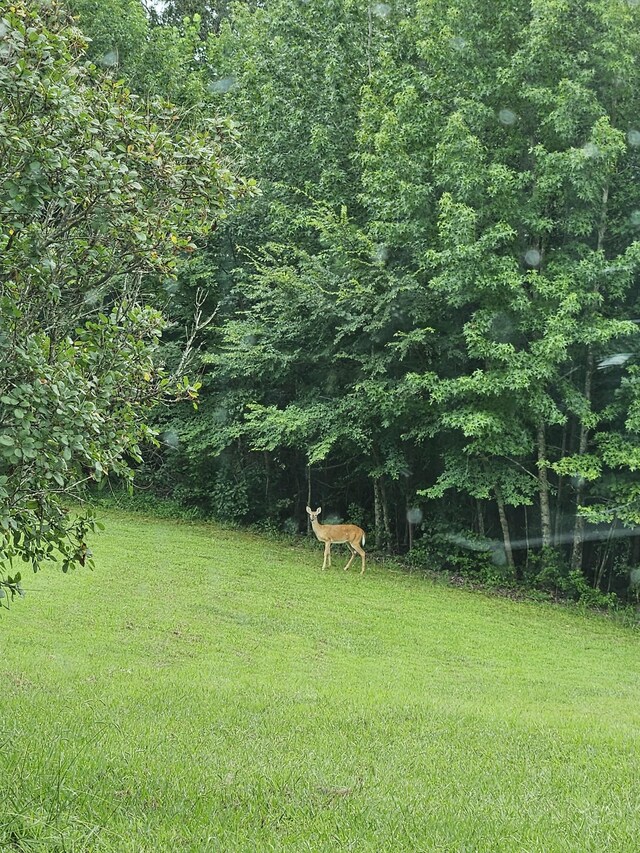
x=206, y=690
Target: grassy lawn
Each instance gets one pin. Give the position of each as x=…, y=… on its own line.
x=205, y=690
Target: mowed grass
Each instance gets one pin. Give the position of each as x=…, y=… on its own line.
x=207, y=690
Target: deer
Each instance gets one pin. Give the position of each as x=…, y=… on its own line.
x=338, y=534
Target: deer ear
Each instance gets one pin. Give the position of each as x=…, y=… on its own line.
x=319, y=510
x=309, y=510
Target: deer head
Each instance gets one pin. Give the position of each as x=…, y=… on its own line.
x=314, y=515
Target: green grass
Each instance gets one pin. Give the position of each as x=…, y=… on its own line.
x=206, y=690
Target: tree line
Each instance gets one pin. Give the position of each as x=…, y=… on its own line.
x=426, y=319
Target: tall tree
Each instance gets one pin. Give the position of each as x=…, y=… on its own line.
x=519, y=160
x=96, y=197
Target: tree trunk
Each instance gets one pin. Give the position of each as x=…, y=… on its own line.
x=377, y=511
x=578, y=530
x=267, y=477
x=385, y=517
x=563, y=452
x=504, y=523
x=606, y=549
x=543, y=484
x=480, y=517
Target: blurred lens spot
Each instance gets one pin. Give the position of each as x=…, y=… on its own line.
x=170, y=286
x=220, y=415
x=502, y=328
x=170, y=439
x=109, y=59
x=498, y=556
x=290, y=526
x=532, y=258
x=222, y=86
x=380, y=253
x=616, y=360
x=507, y=117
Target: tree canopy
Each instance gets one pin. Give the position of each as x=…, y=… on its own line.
x=428, y=317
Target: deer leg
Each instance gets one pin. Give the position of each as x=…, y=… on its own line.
x=353, y=553
x=327, y=555
x=358, y=549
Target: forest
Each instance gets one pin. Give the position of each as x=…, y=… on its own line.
x=387, y=264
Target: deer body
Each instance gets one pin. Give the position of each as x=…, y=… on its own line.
x=338, y=534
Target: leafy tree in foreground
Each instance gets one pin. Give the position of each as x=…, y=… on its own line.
x=97, y=196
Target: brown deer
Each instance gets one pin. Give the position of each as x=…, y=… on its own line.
x=338, y=534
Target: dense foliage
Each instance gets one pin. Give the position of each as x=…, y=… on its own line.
x=98, y=198
x=428, y=320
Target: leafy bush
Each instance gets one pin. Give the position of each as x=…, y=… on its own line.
x=439, y=549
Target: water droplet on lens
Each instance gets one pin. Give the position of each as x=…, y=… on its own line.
x=380, y=253
x=170, y=439
x=498, y=556
x=109, y=59
x=290, y=525
x=502, y=327
x=222, y=86
x=532, y=257
x=507, y=117
x=382, y=10
x=220, y=415
x=616, y=360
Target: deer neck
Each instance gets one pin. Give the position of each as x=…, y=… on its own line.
x=317, y=528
